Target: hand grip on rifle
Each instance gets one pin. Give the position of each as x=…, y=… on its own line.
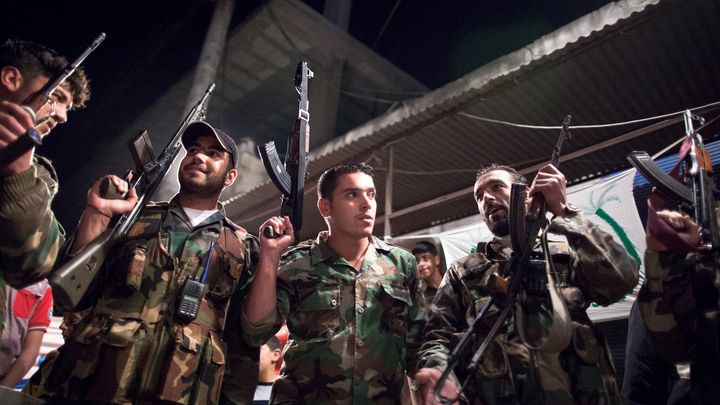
x=71, y=281
x=525, y=228
x=289, y=177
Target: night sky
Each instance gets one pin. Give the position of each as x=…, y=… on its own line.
x=151, y=44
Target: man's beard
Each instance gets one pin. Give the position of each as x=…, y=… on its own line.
x=500, y=224
x=212, y=185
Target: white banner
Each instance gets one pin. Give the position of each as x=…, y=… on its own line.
x=608, y=202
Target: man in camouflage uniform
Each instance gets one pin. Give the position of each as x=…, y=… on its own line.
x=573, y=367
x=31, y=236
x=135, y=345
x=678, y=303
x=351, y=301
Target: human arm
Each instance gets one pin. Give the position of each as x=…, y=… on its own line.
x=552, y=185
x=673, y=280
x=24, y=362
x=14, y=123
x=600, y=267
x=31, y=236
x=417, y=317
x=686, y=229
x=38, y=322
x=428, y=378
x=445, y=320
x=99, y=211
x=603, y=270
x=259, y=309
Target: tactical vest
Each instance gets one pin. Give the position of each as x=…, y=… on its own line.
x=582, y=348
x=132, y=347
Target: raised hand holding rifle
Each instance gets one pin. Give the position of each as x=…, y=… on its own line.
x=290, y=177
x=691, y=184
x=72, y=280
x=696, y=199
x=34, y=104
x=525, y=229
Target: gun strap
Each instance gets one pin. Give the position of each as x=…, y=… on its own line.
x=659, y=228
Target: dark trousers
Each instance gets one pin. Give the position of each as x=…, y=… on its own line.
x=649, y=379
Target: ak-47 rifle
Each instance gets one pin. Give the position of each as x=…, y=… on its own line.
x=698, y=171
x=36, y=101
x=698, y=199
x=71, y=281
x=525, y=229
x=290, y=177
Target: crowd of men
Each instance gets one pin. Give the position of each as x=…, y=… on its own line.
x=361, y=314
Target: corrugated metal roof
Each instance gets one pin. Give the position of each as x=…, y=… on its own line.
x=627, y=60
x=255, y=96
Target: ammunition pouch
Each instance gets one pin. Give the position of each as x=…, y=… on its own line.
x=96, y=364
x=194, y=368
x=541, y=315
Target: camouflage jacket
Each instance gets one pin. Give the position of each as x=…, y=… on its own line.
x=667, y=300
x=591, y=267
x=352, y=334
x=678, y=302
x=132, y=347
x=31, y=236
x=428, y=293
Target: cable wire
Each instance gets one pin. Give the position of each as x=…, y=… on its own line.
x=595, y=126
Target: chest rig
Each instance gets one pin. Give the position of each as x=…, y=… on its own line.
x=156, y=356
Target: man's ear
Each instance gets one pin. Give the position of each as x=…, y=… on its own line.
x=230, y=177
x=436, y=260
x=10, y=78
x=323, y=205
x=276, y=355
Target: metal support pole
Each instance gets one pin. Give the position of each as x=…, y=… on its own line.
x=207, y=65
x=389, y=193
x=212, y=51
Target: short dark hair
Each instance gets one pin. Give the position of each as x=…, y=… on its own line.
x=329, y=179
x=517, y=177
x=424, y=247
x=273, y=343
x=34, y=59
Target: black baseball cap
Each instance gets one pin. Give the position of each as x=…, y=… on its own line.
x=200, y=128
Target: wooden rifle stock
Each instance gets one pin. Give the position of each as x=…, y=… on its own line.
x=71, y=281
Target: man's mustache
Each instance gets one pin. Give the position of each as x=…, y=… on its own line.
x=198, y=167
x=493, y=206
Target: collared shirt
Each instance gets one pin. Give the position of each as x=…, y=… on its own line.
x=352, y=333
x=428, y=293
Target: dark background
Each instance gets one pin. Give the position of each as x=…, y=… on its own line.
x=151, y=44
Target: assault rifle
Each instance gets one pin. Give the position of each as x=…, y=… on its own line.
x=35, y=102
x=698, y=171
x=71, y=281
x=290, y=177
x=699, y=200
x=525, y=228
